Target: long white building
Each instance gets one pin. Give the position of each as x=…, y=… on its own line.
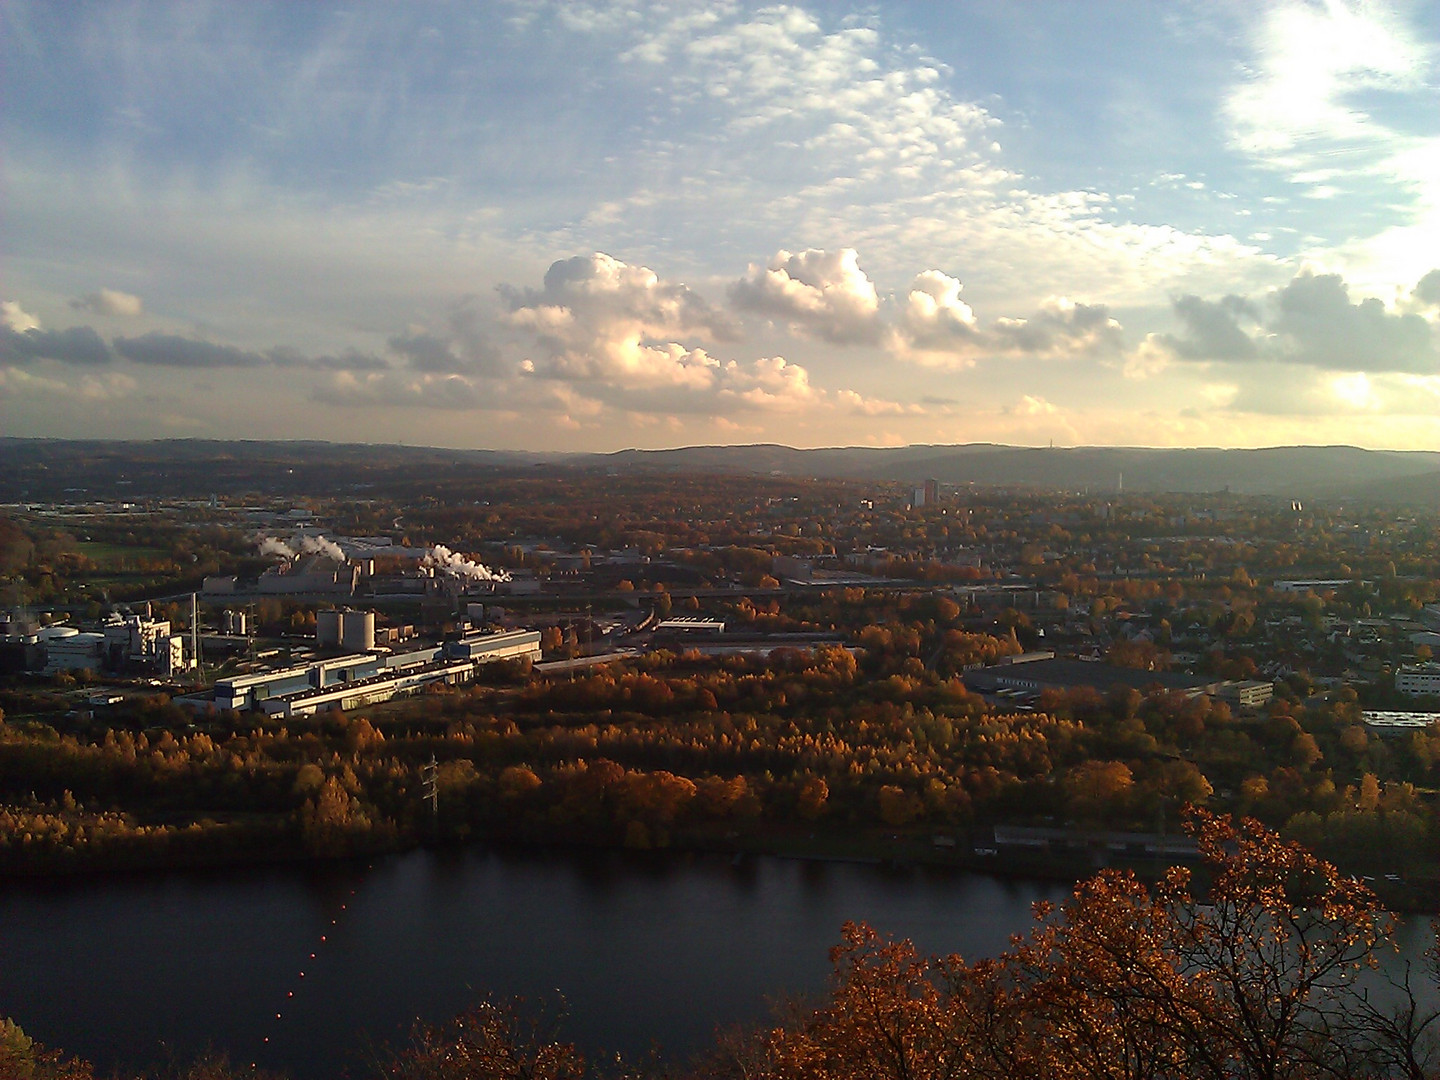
x=347, y=682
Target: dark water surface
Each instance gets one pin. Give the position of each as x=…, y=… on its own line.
x=643, y=951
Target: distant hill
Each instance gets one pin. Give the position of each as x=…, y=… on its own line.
x=41, y=469
x=1286, y=471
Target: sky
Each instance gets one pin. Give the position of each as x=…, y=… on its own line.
x=576, y=226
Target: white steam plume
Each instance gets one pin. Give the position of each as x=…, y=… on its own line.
x=455, y=564
x=271, y=546
x=318, y=545
x=302, y=544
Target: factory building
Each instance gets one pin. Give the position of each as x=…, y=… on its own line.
x=1418, y=679
x=1030, y=674
x=690, y=625
x=68, y=649
x=371, y=690
x=136, y=639
x=309, y=576
x=482, y=648
x=1246, y=694
x=118, y=643
x=350, y=681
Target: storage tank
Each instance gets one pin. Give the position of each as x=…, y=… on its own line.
x=357, y=630
x=328, y=628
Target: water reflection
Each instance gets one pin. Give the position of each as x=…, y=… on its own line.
x=642, y=948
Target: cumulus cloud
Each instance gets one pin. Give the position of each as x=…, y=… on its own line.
x=1427, y=292
x=822, y=294
x=616, y=337
x=933, y=318
x=1213, y=328
x=859, y=405
x=1062, y=327
x=771, y=383
x=1310, y=321
x=603, y=319
x=1033, y=405
x=936, y=328
x=110, y=302
x=1318, y=325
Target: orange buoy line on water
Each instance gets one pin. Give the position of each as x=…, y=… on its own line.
x=290, y=994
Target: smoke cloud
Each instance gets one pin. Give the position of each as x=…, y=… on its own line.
x=455, y=564
x=271, y=546
x=318, y=545
x=302, y=544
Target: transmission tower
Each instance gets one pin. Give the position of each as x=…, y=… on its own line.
x=430, y=785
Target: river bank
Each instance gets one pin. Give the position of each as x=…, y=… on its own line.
x=279, y=843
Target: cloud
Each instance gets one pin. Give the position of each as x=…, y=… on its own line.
x=1062, y=328
x=1213, y=328
x=460, y=347
x=822, y=294
x=14, y=317
x=770, y=383
x=1318, y=325
x=859, y=405
x=111, y=385
x=394, y=389
x=1269, y=390
x=349, y=360
x=1339, y=97
x=171, y=350
x=1314, y=63
x=602, y=319
x=1033, y=405
x=16, y=382
x=107, y=387
x=110, y=302
x=78, y=345
x=1427, y=292
x=614, y=334
x=1310, y=321
x=936, y=328
x=933, y=318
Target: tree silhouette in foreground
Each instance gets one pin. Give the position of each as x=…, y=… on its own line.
x=1258, y=979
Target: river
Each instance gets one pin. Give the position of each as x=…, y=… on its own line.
x=642, y=950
